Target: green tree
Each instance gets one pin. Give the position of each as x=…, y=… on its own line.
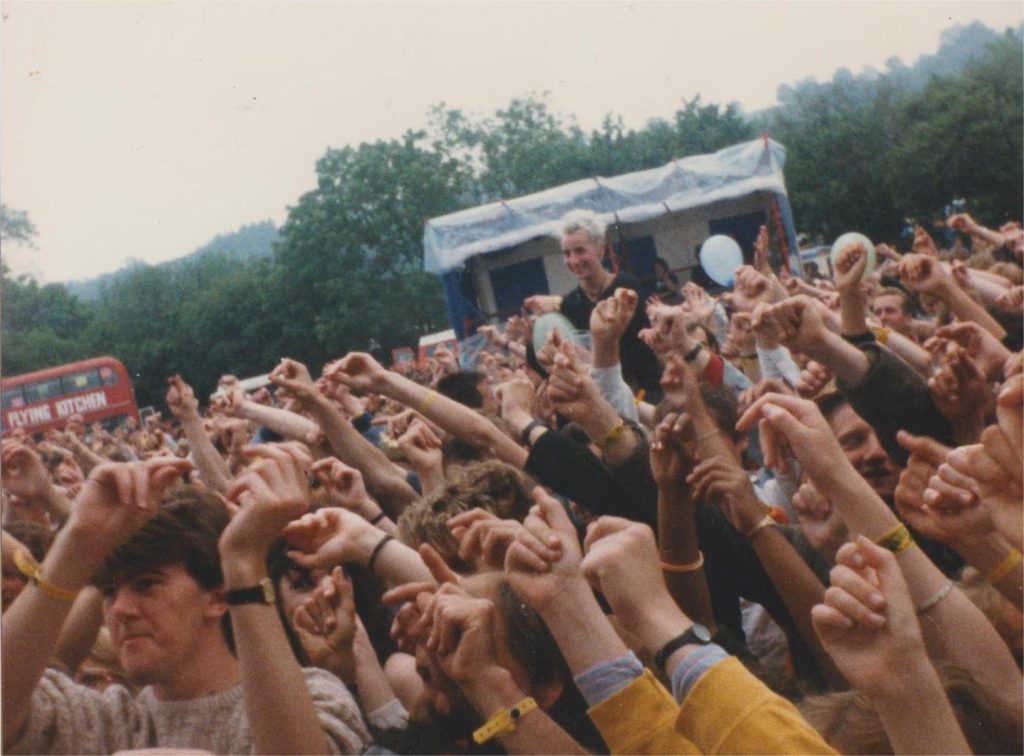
x=962, y=137
x=347, y=271
x=16, y=227
x=41, y=326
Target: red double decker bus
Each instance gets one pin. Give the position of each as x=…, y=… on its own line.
x=98, y=389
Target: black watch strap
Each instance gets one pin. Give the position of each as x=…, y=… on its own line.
x=692, y=354
x=261, y=593
x=697, y=634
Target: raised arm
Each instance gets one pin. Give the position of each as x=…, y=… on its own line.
x=213, y=468
x=461, y=639
x=608, y=322
x=333, y=536
x=851, y=262
x=86, y=457
x=25, y=475
x=385, y=480
x=287, y=424
x=577, y=398
x=929, y=276
x=360, y=370
x=278, y=704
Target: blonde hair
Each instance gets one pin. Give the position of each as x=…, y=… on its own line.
x=583, y=222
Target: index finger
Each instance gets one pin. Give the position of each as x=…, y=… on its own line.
x=754, y=412
x=407, y=592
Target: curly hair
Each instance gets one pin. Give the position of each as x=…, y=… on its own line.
x=490, y=485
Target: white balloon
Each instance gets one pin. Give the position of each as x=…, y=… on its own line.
x=720, y=256
x=848, y=240
x=549, y=322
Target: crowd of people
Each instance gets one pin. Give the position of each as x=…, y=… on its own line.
x=785, y=518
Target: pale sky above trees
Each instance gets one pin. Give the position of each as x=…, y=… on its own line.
x=143, y=129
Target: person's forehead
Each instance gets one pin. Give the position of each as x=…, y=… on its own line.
x=173, y=571
x=888, y=300
x=845, y=420
x=575, y=240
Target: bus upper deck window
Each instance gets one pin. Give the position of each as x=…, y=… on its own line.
x=84, y=381
x=109, y=376
x=13, y=398
x=43, y=390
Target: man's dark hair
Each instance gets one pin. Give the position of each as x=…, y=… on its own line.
x=831, y=403
x=463, y=387
x=456, y=452
x=906, y=300
x=185, y=530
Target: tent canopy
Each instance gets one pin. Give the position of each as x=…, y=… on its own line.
x=692, y=182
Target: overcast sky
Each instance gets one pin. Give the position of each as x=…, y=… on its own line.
x=143, y=129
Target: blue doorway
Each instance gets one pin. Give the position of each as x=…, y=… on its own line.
x=513, y=283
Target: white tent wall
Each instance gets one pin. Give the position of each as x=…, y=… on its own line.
x=676, y=238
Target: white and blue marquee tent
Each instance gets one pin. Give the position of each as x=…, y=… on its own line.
x=492, y=255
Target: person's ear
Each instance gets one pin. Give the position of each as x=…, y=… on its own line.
x=548, y=694
x=216, y=606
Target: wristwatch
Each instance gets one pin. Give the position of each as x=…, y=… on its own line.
x=261, y=593
x=524, y=437
x=697, y=634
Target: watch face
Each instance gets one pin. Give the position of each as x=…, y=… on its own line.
x=701, y=633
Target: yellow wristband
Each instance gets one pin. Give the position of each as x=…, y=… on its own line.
x=896, y=540
x=427, y=401
x=883, y=335
x=1004, y=568
x=32, y=571
x=504, y=721
x=612, y=436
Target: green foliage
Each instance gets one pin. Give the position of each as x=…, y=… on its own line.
x=40, y=325
x=963, y=138
x=15, y=226
x=346, y=273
